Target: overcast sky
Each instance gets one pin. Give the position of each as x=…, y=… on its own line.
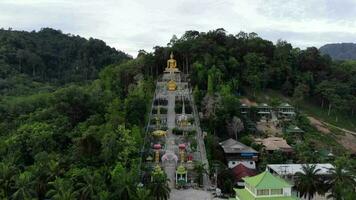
x=130, y=25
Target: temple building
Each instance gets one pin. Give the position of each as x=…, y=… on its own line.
x=265, y=186
x=286, y=110
x=244, y=109
x=235, y=153
x=289, y=171
x=264, y=110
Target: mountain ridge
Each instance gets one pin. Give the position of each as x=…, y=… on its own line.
x=340, y=51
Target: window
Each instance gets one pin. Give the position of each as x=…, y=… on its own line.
x=276, y=191
x=262, y=192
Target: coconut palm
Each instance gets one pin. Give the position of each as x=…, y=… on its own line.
x=23, y=187
x=200, y=170
x=62, y=190
x=342, y=182
x=142, y=194
x=124, y=184
x=87, y=186
x=159, y=187
x=308, y=182
x=7, y=174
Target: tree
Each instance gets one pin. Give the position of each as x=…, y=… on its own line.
x=255, y=67
x=159, y=186
x=199, y=169
x=300, y=92
x=342, y=179
x=62, y=189
x=143, y=194
x=7, y=178
x=308, y=182
x=235, y=126
x=123, y=182
x=88, y=186
x=23, y=187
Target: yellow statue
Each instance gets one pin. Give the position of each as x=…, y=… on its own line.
x=171, y=63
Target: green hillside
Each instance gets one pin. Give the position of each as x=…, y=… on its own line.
x=73, y=111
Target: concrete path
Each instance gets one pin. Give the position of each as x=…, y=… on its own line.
x=171, y=146
x=190, y=194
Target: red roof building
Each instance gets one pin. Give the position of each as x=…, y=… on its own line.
x=240, y=171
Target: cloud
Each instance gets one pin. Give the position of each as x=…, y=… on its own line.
x=130, y=25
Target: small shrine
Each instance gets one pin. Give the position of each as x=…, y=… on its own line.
x=157, y=148
x=182, y=152
x=182, y=120
x=181, y=175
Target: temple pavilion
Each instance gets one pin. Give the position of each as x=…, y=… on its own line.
x=264, y=110
x=286, y=110
x=265, y=186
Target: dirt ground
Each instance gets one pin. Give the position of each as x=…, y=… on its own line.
x=248, y=102
x=269, y=128
x=347, y=140
x=318, y=125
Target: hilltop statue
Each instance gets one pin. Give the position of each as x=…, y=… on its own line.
x=171, y=63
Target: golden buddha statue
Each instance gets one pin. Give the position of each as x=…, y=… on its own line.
x=172, y=64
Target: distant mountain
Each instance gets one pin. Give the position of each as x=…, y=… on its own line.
x=340, y=51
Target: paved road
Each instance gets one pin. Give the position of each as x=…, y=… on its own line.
x=190, y=194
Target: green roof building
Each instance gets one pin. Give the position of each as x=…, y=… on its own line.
x=265, y=186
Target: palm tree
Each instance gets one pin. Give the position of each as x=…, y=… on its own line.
x=24, y=187
x=87, y=187
x=200, y=170
x=308, y=182
x=7, y=173
x=159, y=187
x=143, y=194
x=342, y=182
x=124, y=185
x=62, y=190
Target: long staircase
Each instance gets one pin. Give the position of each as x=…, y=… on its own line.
x=172, y=141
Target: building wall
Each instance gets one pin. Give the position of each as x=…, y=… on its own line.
x=287, y=191
x=248, y=163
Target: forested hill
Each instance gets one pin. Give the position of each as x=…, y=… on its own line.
x=340, y=51
x=51, y=56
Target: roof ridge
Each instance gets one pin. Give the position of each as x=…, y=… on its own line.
x=262, y=177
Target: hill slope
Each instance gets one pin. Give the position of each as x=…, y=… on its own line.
x=51, y=56
x=340, y=51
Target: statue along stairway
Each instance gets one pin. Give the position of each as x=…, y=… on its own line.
x=170, y=88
